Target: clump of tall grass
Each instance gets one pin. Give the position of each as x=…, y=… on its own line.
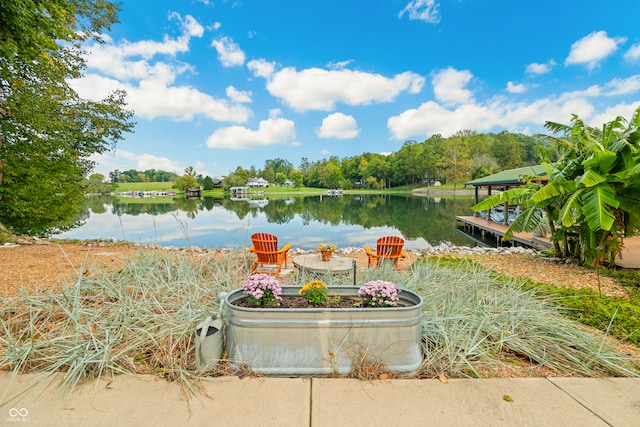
x=137, y=320
x=142, y=319
x=471, y=319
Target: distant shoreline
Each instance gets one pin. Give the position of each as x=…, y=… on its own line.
x=434, y=191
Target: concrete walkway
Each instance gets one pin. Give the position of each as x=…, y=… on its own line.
x=231, y=401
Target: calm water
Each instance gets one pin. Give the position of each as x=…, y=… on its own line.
x=348, y=221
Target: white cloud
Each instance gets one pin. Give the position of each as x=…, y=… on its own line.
x=339, y=65
x=229, y=52
x=633, y=54
x=270, y=132
x=339, y=126
x=261, y=68
x=238, y=96
x=433, y=118
x=190, y=26
x=274, y=113
x=622, y=110
x=592, y=49
x=149, y=81
x=422, y=10
x=319, y=89
x=449, y=86
x=536, y=69
x=516, y=88
x=152, y=99
x=626, y=86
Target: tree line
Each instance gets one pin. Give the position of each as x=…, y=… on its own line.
x=466, y=155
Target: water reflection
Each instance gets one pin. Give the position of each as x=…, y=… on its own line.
x=348, y=221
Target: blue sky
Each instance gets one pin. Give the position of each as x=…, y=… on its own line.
x=218, y=84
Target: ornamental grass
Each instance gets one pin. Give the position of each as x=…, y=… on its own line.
x=142, y=319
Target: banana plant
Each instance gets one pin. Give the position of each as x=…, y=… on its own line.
x=592, y=192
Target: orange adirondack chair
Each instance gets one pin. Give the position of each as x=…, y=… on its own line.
x=388, y=251
x=270, y=259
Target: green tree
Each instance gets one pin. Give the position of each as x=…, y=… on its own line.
x=185, y=181
x=48, y=133
x=507, y=150
x=280, y=178
x=456, y=161
x=330, y=174
x=207, y=183
x=238, y=178
x=413, y=163
x=297, y=178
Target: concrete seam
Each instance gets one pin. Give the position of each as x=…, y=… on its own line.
x=310, y=402
x=578, y=402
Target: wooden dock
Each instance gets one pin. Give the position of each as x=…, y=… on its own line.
x=629, y=258
x=486, y=226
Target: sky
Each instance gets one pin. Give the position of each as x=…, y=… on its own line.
x=217, y=84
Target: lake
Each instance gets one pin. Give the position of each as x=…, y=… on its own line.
x=348, y=221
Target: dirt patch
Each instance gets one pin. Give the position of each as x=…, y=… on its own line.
x=559, y=274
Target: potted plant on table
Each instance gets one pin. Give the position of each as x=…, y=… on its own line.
x=326, y=249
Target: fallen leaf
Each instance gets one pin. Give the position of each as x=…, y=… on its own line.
x=443, y=378
x=507, y=398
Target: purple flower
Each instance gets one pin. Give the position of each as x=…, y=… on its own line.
x=262, y=290
x=379, y=293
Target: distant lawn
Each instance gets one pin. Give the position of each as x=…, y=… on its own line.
x=145, y=186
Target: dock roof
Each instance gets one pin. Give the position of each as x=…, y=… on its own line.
x=510, y=176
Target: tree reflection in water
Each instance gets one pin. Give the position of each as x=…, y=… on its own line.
x=348, y=221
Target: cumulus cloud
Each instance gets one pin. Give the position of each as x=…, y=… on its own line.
x=319, y=89
x=269, y=132
x=151, y=99
x=147, y=70
x=339, y=126
x=626, y=86
x=537, y=69
x=238, y=96
x=500, y=112
x=261, y=68
x=620, y=110
x=229, y=52
x=422, y=10
x=516, y=88
x=633, y=54
x=449, y=86
x=592, y=49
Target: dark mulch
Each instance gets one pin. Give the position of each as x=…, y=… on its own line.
x=300, y=302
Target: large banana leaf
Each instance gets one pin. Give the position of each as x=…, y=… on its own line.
x=552, y=190
x=515, y=195
x=597, y=202
x=571, y=209
x=602, y=161
x=591, y=178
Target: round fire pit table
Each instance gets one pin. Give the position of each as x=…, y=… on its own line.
x=336, y=265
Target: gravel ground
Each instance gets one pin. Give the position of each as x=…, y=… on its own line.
x=40, y=265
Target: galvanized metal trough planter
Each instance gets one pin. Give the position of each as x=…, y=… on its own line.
x=323, y=341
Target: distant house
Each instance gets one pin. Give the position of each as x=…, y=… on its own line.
x=257, y=183
x=217, y=181
x=288, y=183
